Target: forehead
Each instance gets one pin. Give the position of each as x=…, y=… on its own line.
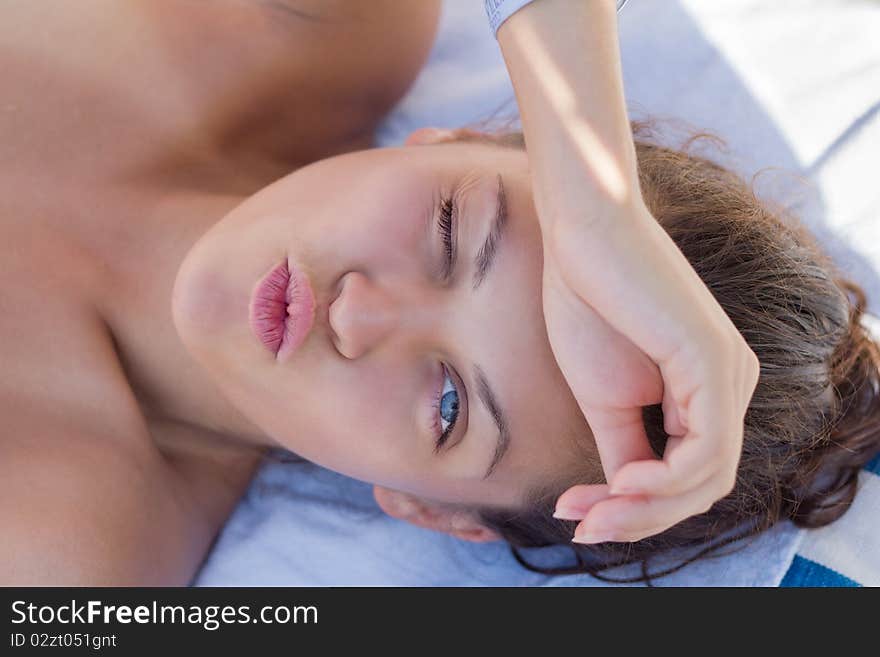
x=546, y=426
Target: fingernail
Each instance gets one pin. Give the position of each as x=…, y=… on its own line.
x=569, y=513
x=590, y=536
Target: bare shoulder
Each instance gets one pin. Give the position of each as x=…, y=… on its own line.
x=79, y=508
x=86, y=494
x=373, y=50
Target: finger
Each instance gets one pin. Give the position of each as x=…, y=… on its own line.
x=574, y=503
x=687, y=461
x=716, y=485
x=589, y=538
x=669, y=479
x=672, y=422
x=620, y=438
x=634, y=517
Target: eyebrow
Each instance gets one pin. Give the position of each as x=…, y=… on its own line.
x=483, y=262
x=485, y=257
x=484, y=392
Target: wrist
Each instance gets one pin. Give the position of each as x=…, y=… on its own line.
x=570, y=217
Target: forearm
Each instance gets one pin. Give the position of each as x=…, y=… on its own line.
x=563, y=58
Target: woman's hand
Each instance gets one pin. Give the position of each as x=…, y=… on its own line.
x=629, y=320
x=631, y=324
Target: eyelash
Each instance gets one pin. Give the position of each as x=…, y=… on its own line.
x=445, y=224
x=443, y=436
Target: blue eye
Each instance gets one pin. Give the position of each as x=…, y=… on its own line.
x=447, y=410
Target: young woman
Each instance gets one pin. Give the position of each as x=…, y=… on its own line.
x=172, y=192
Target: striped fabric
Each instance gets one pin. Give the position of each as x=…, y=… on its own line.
x=846, y=553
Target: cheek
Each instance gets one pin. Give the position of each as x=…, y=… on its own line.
x=354, y=216
x=350, y=419
x=387, y=230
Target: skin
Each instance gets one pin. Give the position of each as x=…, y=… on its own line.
x=356, y=396
x=608, y=265
x=135, y=224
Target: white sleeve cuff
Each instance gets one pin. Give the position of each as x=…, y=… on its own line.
x=498, y=11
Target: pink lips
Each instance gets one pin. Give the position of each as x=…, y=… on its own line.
x=282, y=310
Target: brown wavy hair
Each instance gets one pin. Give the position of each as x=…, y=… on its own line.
x=814, y=418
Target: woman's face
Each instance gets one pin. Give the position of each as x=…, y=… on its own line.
x=360, y=395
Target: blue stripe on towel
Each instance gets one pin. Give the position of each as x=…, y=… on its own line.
x=804, y=572
x=874, y=465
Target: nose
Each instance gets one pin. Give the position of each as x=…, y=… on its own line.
x=362, y=315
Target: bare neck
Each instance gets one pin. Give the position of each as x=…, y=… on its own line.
x=118, y=133
x=142, y=88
